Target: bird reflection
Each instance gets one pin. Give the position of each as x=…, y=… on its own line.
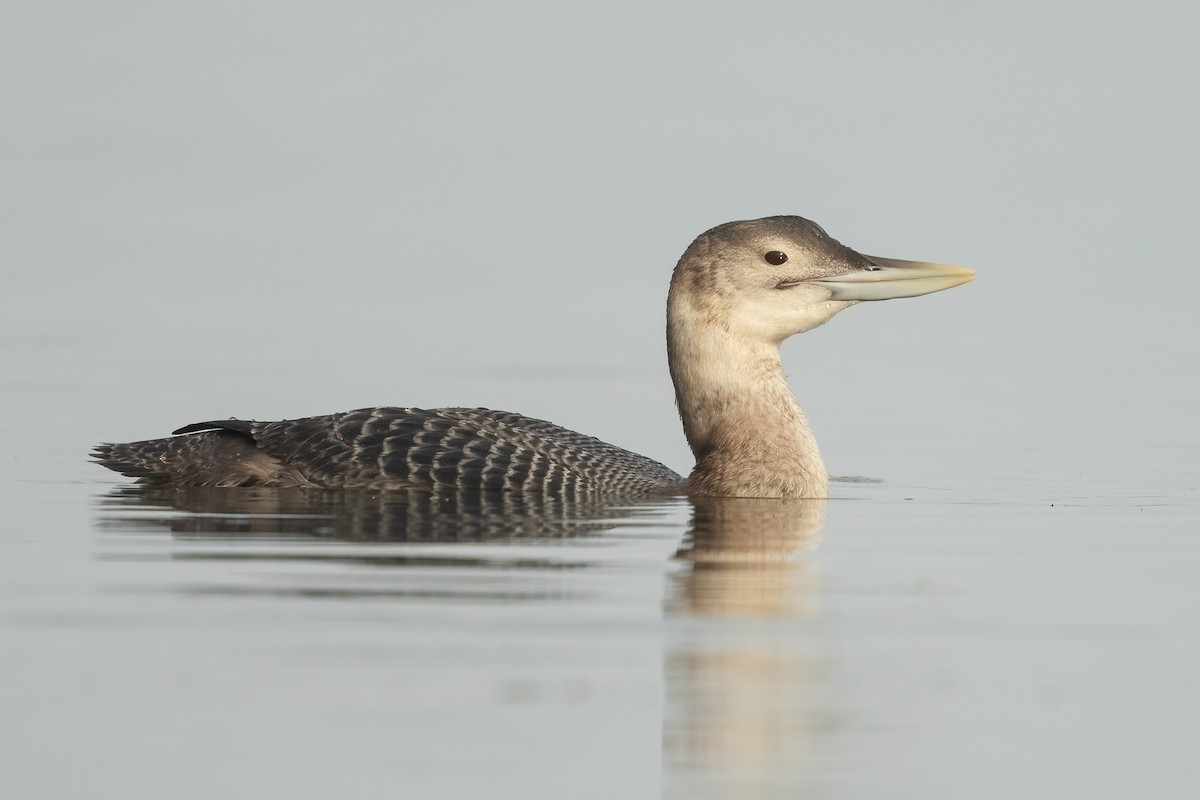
x=742, y=555
x=739, y=713
x=404, y=516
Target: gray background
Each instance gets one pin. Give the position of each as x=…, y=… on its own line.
x=481, y=204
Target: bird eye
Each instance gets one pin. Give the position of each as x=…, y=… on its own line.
x=775, y=257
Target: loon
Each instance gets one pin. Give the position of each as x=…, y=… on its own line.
x=736, y=294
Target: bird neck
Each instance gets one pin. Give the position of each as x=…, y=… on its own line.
x=747, y=432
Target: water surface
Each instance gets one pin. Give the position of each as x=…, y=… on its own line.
x=892, y=639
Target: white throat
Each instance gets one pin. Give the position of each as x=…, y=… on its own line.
x=747, y=432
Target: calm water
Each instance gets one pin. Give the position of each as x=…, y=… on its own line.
x=909, y=639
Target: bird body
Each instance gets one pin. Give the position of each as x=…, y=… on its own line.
x=737, y=293
x=392, y=448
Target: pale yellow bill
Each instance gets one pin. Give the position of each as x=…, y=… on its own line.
x=896, y=278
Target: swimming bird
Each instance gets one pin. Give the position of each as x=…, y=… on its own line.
x=736, y=294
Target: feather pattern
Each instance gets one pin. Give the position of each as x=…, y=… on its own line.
x=386, y=447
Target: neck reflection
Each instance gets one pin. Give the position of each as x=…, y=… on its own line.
x=740, y=708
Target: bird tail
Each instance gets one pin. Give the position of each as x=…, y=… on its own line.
x=146, y=460
x=209, y=458
x=212, y=458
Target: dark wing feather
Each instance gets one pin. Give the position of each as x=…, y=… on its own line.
x=466, y=448
x=236, y=425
